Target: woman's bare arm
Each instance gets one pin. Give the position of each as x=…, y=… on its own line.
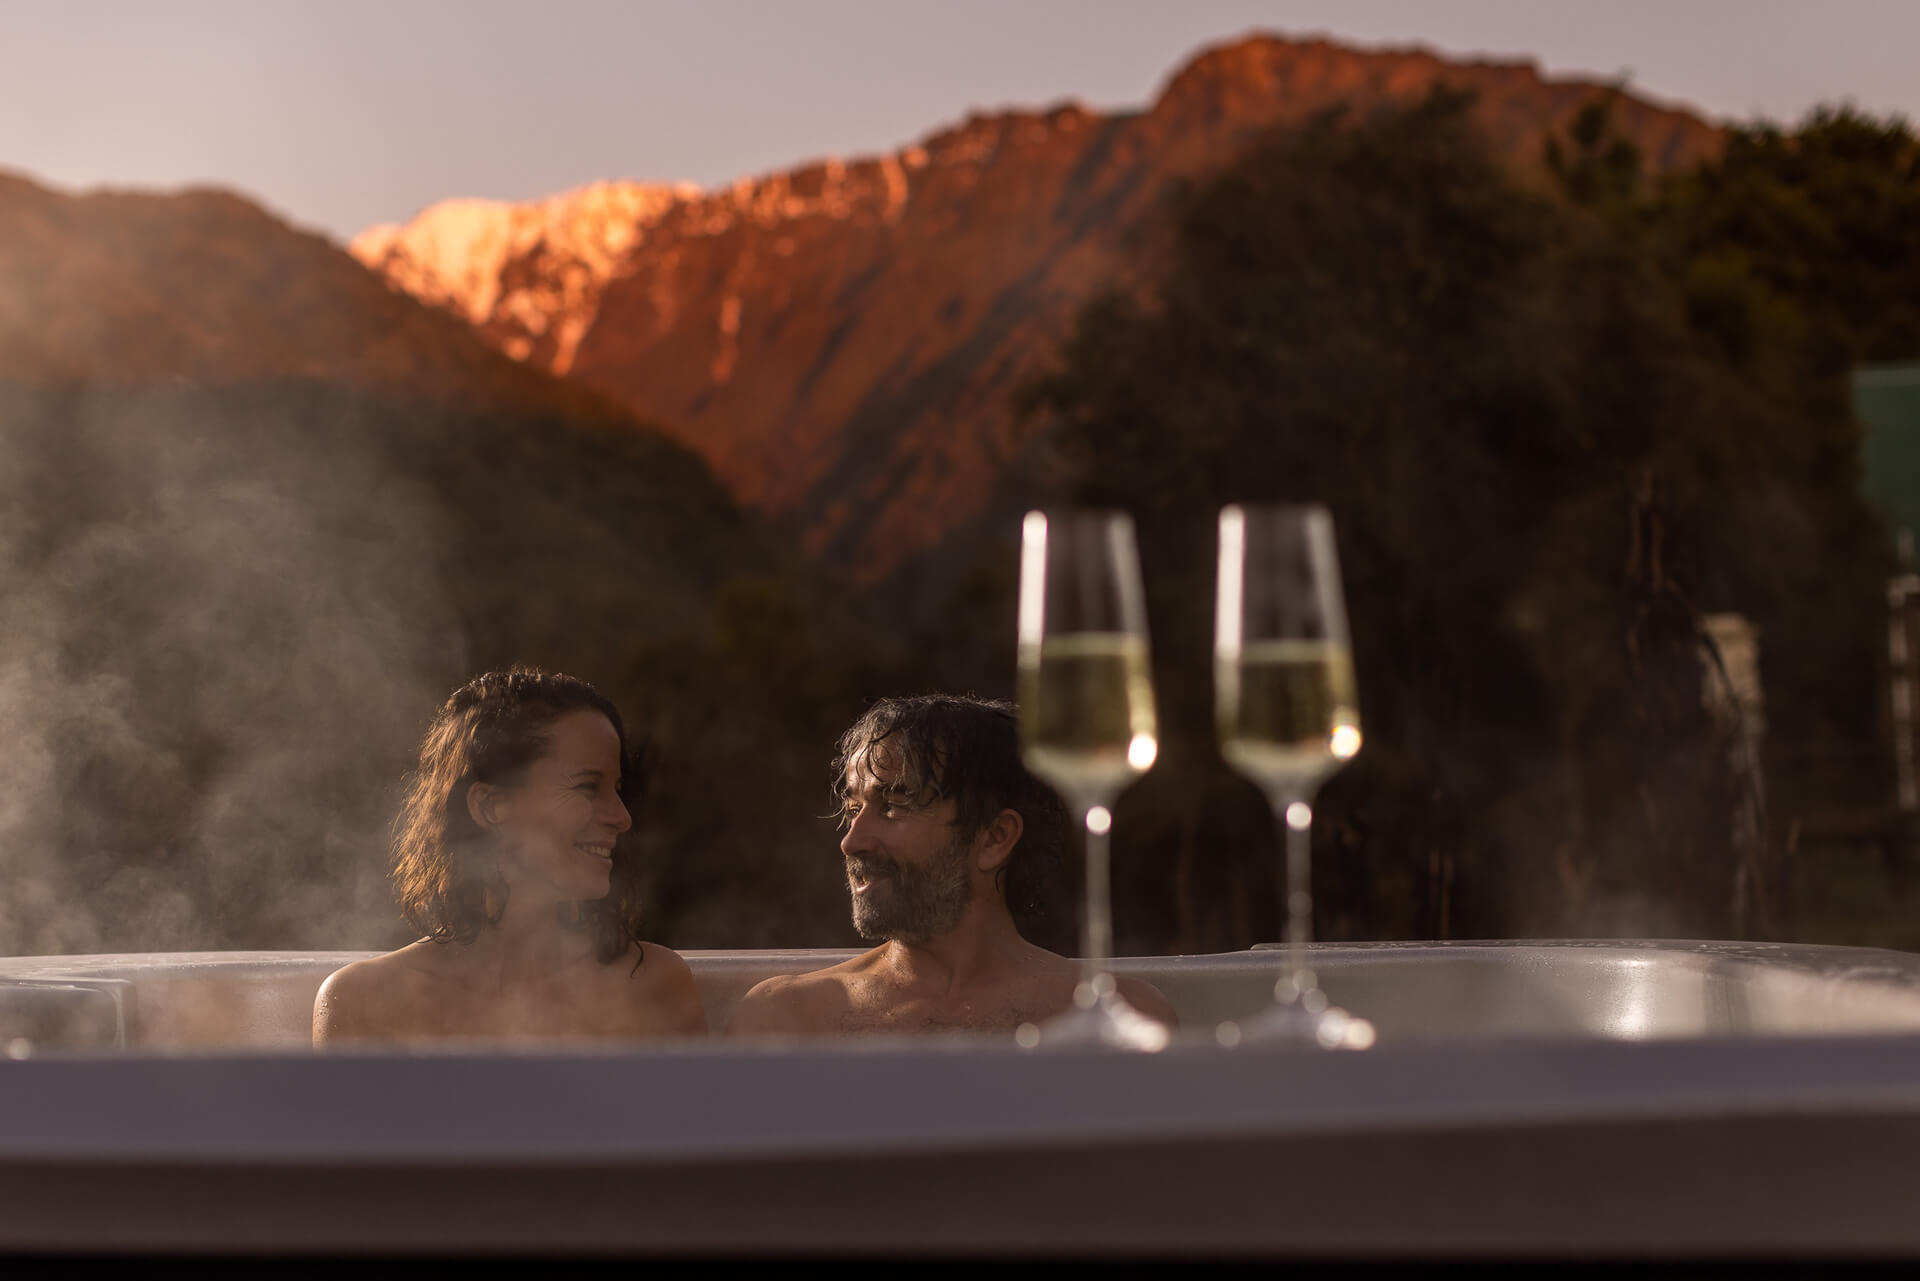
x=673, y=991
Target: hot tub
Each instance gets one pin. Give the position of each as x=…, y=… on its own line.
x=1626, y=1099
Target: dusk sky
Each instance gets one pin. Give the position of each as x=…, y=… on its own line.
x=343, y=113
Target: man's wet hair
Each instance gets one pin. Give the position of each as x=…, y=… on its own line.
x=967, y=750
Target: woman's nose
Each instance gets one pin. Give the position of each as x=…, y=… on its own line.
x=618, y=817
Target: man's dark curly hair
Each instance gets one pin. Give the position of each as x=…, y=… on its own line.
x=947, y=746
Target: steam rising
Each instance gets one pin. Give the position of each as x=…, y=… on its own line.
x=222, y=634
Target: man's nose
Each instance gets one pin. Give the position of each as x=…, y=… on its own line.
x=859, y=835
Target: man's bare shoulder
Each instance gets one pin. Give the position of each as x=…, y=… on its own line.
x=1061, y=974
x=801, y=1004
x=827, y=977
x=1038, y=962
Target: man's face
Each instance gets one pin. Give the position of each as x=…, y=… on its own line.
x=907, y=865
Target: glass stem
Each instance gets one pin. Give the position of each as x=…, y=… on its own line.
x=1096, y=929
x=1296, y=979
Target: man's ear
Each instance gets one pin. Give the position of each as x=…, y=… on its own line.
x=483, y=804
x=996, y=840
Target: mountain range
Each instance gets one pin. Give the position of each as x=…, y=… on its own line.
x=840, y=342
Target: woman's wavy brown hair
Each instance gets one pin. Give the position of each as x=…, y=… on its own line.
x=445, y=871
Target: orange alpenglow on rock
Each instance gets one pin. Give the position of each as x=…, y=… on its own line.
x=840, y=341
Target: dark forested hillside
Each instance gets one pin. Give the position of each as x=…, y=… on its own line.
x=1550, y=460
x=259, y=514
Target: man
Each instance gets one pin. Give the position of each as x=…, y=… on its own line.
x=945, y=832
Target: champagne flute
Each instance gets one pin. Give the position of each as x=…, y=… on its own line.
x=1087, y=728
x=1288, y=718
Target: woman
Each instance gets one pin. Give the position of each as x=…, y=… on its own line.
x=506, y=859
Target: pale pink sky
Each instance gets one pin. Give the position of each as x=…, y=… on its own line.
x=342, y=113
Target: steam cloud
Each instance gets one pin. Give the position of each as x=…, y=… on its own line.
x=222, y=635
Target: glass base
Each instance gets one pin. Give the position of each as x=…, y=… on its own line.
x=1299, y=1022
x=1098, y=1018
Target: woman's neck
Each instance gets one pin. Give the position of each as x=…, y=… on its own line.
x=530, y=941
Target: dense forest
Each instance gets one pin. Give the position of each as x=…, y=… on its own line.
x=1562, y=418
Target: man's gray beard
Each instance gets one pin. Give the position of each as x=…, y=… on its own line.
x=915, y=904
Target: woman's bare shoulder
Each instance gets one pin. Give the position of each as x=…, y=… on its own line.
x=645, y=964
x=357, y=999
x=670, y=964
x=414, y=961
x=660, y=979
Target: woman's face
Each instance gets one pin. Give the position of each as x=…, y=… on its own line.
x=556, y=827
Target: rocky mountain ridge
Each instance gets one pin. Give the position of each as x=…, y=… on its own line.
x=840, y=341
x=457, y=254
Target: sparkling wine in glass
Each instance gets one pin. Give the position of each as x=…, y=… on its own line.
x=1087, y=727
x=1288, y=717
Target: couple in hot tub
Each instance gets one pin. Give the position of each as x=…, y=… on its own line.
x=507, y=857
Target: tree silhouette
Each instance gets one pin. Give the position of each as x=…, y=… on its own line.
x=1544, y=472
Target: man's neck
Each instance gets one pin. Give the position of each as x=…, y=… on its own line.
x=979, y=950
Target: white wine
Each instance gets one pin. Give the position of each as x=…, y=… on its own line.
x=1287, y=711
x=1086, y=709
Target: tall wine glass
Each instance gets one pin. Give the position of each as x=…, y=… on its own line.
x=1288, y=717
x=1087, y=727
